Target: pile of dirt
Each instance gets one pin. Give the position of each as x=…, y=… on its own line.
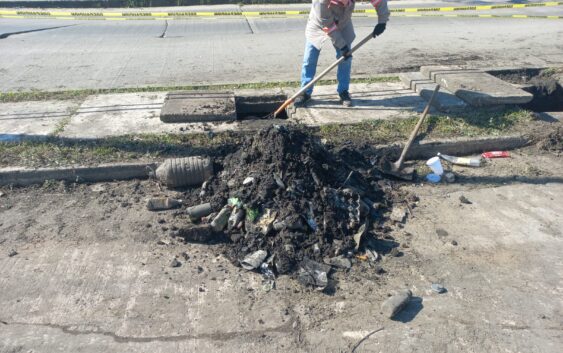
x=297, y=203
x=552, y=142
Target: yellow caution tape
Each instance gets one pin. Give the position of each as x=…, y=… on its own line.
x=149, y=15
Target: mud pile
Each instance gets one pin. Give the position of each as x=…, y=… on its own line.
x=299, y=204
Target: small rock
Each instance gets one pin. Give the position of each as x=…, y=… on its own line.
x=438, y=288
x=185, y=256
x=449, y=177
x=454, y=243
x=441, y=232
x=464, y=200
x=175, y=263
x=398, y=214
x=248, y=181
x=397, y=302
x=163, y=241
x=12, y=253
x=340, y=262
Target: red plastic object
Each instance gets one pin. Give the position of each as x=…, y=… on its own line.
x=496, y=154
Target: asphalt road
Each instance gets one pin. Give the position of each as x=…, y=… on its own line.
x=107, y=54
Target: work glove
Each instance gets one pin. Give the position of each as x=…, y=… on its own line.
x=379, y=29
x=345, y=50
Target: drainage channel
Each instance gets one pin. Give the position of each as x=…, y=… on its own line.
x=544, y=84
x=259, y=107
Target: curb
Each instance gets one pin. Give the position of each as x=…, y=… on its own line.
x=125, y=171
x=105, y=172
x=459, y=147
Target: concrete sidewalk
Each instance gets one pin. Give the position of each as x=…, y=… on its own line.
x=101, y=116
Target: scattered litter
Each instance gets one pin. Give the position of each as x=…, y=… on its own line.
x=465, y=200
x=398, y=214
x=188, y=171
x=254, y=260
x=199, y=211
x=12, y=253
x=163, y=241
x=175, y=263
x=372, y=255
x=397, y=302
x=433, y=178
x=361, y=233
x=268, y=277
x=495, y=154
x=235, y=219
x=312, y=273
x=162, y=203
x=234, y=202
x=203, y=191
x=449, y=177
x=220, y=221
x=248, y=181
x=436, y=166
x=394, y=252
x=465, y=161
x=438, y=288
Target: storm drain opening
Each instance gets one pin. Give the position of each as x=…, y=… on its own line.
x=546, y=85
x=259, y=107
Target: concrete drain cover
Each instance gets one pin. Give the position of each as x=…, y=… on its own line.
x=193, y=107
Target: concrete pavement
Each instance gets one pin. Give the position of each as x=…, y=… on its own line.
x=101, y=54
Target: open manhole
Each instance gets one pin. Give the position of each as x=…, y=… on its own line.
x=544, y=84
x=259, y=107
x=215, y=106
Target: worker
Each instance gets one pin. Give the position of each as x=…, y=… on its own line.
x=333, y=19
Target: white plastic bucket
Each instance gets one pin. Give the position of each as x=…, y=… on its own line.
x=436, y=166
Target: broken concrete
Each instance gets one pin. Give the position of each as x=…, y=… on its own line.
x=477, y=88
x=445, y=101
x=195, y=106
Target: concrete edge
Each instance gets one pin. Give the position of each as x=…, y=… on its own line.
x=104, y=172
x=124, y=171
x=459, y=146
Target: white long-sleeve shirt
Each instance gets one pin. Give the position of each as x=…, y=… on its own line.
x=335, y=22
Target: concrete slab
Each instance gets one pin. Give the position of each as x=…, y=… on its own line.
x=190, y=107
x=32, y=120
x=118, y=114
x=445, y=101
x=477, y=88
x=371, y=101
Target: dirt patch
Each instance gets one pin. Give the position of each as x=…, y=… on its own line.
x=552, y=142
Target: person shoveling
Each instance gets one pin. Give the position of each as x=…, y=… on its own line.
x=332, y=19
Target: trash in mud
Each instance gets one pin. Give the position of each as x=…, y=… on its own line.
x=465, y=200
x=465, y=161
x=162, y=203
x=284, y=196
x=312, y=273
x=188, y=171
x=449, y=177
x=254, y=260
x=197, y=212
x=436, y=166
x=433, y=178
x=438, y=288
x=495, y=154
x=397, y=302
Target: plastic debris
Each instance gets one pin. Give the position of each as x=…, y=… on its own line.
x=186, y=171
x=433, y=178
x=312, y=273
x=436, y=166
x=495, y=154
x=465, y=161
x=235, y=218
x=340, y=262
x=397, y=302
x=203, y=191
x=252, y=214
x=254, y=260
x=199, y=211
x=220, y=221
x=248, y=181
x=162, y=203
x=234, y=202
x=360, y=234
x=268, y=277
x=438, y=288
x=398, y=214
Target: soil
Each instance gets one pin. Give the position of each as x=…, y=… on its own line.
x=305, y=202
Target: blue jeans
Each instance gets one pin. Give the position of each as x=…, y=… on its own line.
x=310, y=59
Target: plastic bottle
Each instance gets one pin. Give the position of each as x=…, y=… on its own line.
x=186, y=171
x=466, y=161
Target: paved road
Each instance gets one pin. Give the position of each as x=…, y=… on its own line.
x=103, y=54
